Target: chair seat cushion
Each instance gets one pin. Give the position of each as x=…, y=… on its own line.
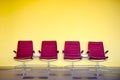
x=98, y=58
x=72, y=57
x=23, y=58
x=48, y=57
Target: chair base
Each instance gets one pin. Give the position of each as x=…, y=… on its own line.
x=97, y=66
x=23, y=66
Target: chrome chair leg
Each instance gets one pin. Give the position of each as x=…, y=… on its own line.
x=97, y=69
x=23, y=69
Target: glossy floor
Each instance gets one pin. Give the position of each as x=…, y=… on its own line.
x=61, y=74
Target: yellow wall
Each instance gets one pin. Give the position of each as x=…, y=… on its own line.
x=37, y=20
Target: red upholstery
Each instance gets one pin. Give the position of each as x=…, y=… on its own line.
x=96, y=51
x=72, y=50
x=48, y=50
x=24, y=50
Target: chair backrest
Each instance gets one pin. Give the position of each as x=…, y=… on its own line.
x=24, y=49
x=49, y=49
x=72, y=49
x=96, y=49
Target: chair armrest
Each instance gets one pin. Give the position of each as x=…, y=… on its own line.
x=82, y=51
x=39, y=51
x=14, y=51
x=63, y=51
x=106, y=52
x=88, y=51
x=33, y=51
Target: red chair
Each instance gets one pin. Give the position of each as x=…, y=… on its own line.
x=72, y=51
x=96, y=53
x=24, y=53
x=48, y=52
